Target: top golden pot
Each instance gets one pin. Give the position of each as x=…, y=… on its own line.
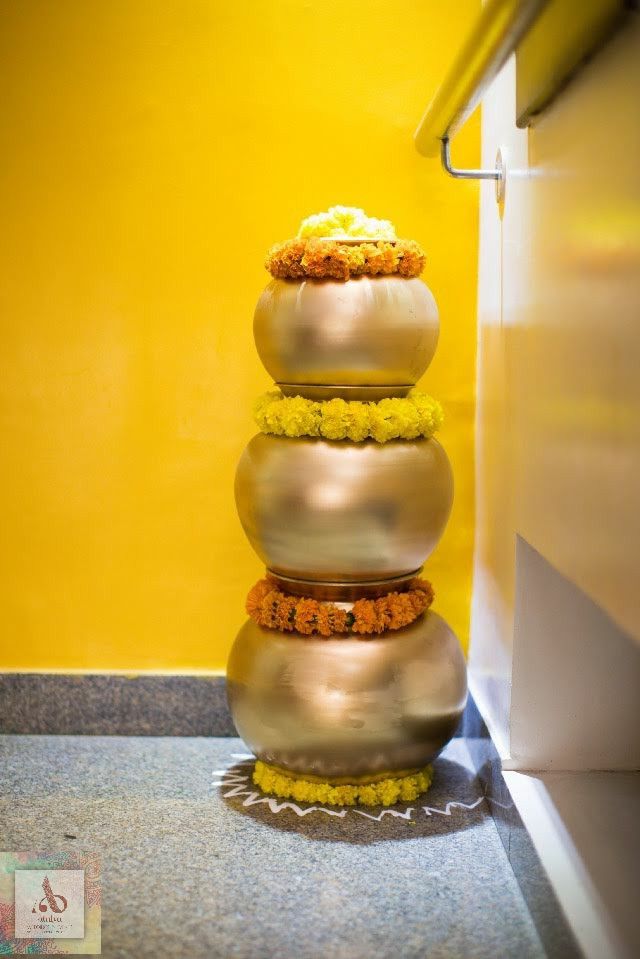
x=341, y=512
x=377, y=332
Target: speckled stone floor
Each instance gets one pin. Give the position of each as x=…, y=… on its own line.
x=196, y=863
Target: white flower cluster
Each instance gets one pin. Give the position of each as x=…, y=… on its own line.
x=346, y=221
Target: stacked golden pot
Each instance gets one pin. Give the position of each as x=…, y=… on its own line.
x=338, y=521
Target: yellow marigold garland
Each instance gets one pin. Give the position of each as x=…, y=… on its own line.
x=332, y=259
x=410, y=417
x=386, y=792
x=270, y=607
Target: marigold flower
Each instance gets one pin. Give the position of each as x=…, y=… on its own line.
x=274, y=609
x=330, y=259
x=334, y=424
x=409, y=417
x=385, y=792
x=305, y=617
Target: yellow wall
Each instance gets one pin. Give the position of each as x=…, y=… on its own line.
x=152, y=150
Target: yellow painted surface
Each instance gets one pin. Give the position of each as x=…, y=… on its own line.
x=151, y=153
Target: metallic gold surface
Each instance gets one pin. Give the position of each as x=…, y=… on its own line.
x=559, y=43
x=369, y=331
x=369, y=394
x=363, y=780
x=492, y=39
x=343, y=512
x=347, y=707
x=342, y=592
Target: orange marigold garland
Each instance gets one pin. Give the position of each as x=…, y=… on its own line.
x=329, y=259
x=268, y=606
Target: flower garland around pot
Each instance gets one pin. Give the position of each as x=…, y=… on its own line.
x=411, y=417
x=385, y=792
x=270, y=607
x=332, y=259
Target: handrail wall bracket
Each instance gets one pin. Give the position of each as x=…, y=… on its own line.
x=498, y=174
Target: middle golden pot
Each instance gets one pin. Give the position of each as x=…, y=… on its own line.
x=340, y=511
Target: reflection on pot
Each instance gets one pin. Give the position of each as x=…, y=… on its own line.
x=347, y=708
x=343, y=512
x=366, y=332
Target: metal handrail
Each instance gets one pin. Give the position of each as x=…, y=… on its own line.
x=445, y=156
x=493, y=38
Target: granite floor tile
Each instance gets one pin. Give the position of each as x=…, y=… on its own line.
x=197, y=864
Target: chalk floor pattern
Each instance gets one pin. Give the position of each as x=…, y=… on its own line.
x=235, y=782
x=254, y=884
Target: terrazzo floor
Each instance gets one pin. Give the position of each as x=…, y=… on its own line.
x=196, y=863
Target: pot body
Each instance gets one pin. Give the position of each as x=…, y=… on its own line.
x=369, y=331
x=347, y=708
x=343, y=512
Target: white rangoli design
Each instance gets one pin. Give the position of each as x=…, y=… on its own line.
x=236, y=784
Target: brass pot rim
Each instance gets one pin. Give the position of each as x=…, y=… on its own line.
x=343, y=591
x=348, y=240
x=364, y=779
x=368, y=441
x=329, y=391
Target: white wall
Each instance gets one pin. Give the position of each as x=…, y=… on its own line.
x=558, y=424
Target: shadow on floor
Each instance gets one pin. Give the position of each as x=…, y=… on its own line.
x=454, y=802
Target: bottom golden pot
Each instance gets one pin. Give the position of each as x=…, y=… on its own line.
x=347, y=709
